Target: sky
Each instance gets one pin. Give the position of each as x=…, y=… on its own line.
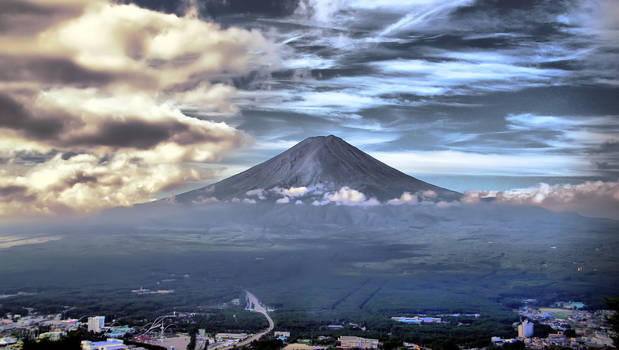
x=110, y=103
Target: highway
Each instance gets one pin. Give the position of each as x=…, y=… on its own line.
x=253, y=305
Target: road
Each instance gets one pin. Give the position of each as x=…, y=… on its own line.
x=254, y=306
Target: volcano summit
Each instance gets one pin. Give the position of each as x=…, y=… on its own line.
x=315, y=167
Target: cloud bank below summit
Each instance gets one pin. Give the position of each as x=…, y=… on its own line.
x=593, y=199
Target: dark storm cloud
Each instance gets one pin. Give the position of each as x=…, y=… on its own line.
x=22, y=17
x=129, y=133
x=13, y=115
x=123, y=133
x=608, y=147
x=606, y=157
x=142, y=134
x=16, y=193
x=50, y=70
x=216, y=8
x=548, y=100
x=533, y=17
x=32, y=157
x=80, y=178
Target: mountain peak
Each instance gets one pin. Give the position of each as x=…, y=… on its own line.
x=325, y=162
x=321, y=140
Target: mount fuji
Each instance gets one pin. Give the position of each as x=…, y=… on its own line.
x=314, y=167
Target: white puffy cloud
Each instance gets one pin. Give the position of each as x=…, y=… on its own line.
x=292, y=192
x=283, y=200
x=166, y=48
x=258, y=192
x=295, y=191
x=429, y=194
x=405, y=198
x=597, y=199
x=347, y=196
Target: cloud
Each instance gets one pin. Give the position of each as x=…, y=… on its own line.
x=258, y=192
x=205, y=200
x=15, y=116
x=68, y=117
x=295, y=191
x=405, y=198
x=423, y=16
x=429, y=194
x=168, y=48
x=424, y=197
x=116, y=102
x=283, y=200
x=597, y=199
x=347, y=196
x=86, y=183
x=292, y=192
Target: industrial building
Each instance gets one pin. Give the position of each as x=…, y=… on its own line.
x=348, y=342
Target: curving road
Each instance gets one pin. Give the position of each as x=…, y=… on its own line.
x=253, y=304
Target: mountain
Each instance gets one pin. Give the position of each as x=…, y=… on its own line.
x=313, y=167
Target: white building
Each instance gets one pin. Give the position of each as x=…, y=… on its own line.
x=281, y=335
x=96, y=324
x=525, y=329
x=110, y=344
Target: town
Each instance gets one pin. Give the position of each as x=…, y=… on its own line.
x=573, y=326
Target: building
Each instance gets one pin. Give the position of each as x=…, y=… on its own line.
x=96, y=324
x=281, y=335
x=525, y=329
x=299, y=346
x=110, y=344
x=230, y=336
x=347, y=342
x=53, y=336
x=417, y=319
x=118, y=332
x=7, y=341
x=412, y=346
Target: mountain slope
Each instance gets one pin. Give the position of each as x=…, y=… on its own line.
x=323, y=164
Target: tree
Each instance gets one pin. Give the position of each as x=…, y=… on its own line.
x=192, y=340
x=613, y=304
x=392, y=343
